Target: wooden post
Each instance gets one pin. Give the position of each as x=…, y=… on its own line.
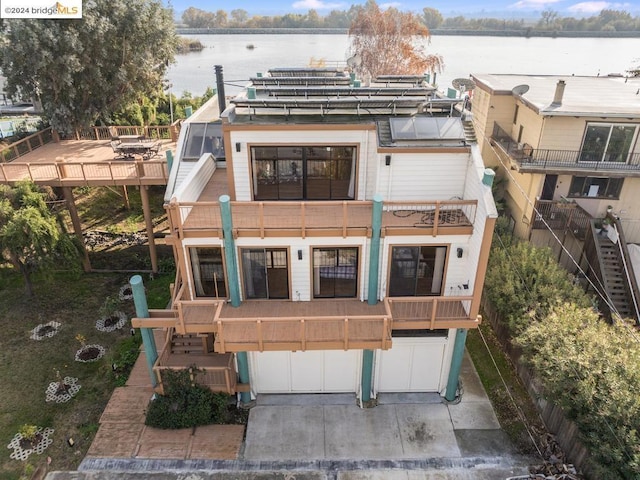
x=77, y=226
x=144, y=196
x=125, y=194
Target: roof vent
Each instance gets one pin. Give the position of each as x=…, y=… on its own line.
x=557, y=98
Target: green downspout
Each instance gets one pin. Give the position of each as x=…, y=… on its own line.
x=142, y=311
x=372, y=296
x=234, y=284
x=169, y=155
x=456, y=364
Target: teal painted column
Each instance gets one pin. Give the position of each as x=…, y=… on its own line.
x=230, y=250
x=169, y=155
x=367, y=372
x=142, y=311
x=233, y=284
x=372, y=295
x=456, y=364
x=374, y=251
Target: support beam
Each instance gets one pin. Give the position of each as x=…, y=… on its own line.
x=146, y=209
x=456, y=364
x=77, y=226
x=142, y=311
x=481, y=269
x=367, y=372
x=230, y=250
x=125, y=194
x=243, y=373
x=374, y=251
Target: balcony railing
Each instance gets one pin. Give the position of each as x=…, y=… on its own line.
x=431, y=313
x=561, y=216
x=262, y=219
x=26, y=145
x=529, y=158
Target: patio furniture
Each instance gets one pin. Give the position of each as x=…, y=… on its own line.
x=129, y=150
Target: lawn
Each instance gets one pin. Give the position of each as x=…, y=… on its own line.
x=28, y=366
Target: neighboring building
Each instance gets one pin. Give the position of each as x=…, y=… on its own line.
x=335, y=241
x=569, y=147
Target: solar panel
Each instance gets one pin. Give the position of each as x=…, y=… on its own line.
x=338, y=91
x=302, y=81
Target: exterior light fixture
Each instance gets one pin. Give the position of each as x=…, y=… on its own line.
x=459, y=252
x=299, y=254
x=238, y=146
x=387, y=160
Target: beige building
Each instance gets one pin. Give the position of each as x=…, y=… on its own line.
x=567, y=150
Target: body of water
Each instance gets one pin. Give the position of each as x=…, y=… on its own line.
x=463, y=55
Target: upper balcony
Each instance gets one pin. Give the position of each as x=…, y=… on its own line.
x=534, y=160
x=323, y=218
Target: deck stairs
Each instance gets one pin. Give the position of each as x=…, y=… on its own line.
x=469, y=131
x=613, y=276
x=191, y=343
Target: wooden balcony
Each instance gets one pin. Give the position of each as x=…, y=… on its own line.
x=87, y=161
x=264, y=325
x=324, y=218
x=535, y=160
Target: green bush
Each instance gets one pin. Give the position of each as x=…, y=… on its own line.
x=523, y=282
x=124, y=358
x=592, y=370
x=185, y=404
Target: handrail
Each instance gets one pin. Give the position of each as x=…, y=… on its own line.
x=527, y=156
x=26, y=145
x=632, y=285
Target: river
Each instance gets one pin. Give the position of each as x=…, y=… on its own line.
x=463, y=55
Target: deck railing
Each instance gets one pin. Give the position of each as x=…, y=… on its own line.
x=430, y=312
x=87, y=173
x=26, y=145
x=528, y=157
x=302, y=218
x=159, y=132
x=560, y=216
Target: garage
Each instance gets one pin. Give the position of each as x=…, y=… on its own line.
x=322, y=371
x=413, y=364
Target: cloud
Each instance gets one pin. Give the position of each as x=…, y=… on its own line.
x=316, y=5
x=533, y=4
x=596, y=7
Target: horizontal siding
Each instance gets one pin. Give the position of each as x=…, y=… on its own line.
x=435, y=176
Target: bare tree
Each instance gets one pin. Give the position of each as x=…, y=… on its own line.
x=390, y=42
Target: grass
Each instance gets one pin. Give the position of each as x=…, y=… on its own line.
x=513, y=406
x=28, y=366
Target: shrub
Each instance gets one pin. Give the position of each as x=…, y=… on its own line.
x=124, y=358
x=592, y=370
x=185, y=403
x=523, y=282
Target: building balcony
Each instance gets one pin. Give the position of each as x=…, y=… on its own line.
x=283, y=325
x=323, y=218
x=534, y=160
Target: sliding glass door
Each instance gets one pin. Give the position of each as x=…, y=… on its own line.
x=417, y=271
x=265, y=273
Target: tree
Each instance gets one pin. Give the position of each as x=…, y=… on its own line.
x=82, y=69
x=548, y=18
x=196, y=18
x=432, y=17
x=239, y=16
x=390, y=42
x=30, y=237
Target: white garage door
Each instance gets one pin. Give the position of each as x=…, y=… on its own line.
x=323, y=371
x=411, y=365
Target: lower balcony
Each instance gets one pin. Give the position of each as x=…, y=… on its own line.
x=278, y=325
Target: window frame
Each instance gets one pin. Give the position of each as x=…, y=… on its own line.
x=268, y=251
x=356, y=280
x=583, y=156
x=587, y=181
x=193, y=282
x=417, y=267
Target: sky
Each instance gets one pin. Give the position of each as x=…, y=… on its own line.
x=489, y=8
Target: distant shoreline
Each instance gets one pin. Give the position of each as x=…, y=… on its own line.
x=435, y=32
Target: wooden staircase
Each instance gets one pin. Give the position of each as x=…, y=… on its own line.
x=613, y=276
x=191, y=343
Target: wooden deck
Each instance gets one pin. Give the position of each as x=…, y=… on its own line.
x=85, y=163
x=281, y=325
x=341, y=218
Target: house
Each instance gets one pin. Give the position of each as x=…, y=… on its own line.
x=329, y=236
x=568, y=149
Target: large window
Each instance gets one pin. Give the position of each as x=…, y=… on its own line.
x=417, y=271
x=203, y=138
x=595, y=187
x=605, y=142
x=303, y=173
x=265, y=272
x=335, y=272
x=208, y=272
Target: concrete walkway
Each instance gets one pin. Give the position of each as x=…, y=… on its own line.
x=304, y=437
